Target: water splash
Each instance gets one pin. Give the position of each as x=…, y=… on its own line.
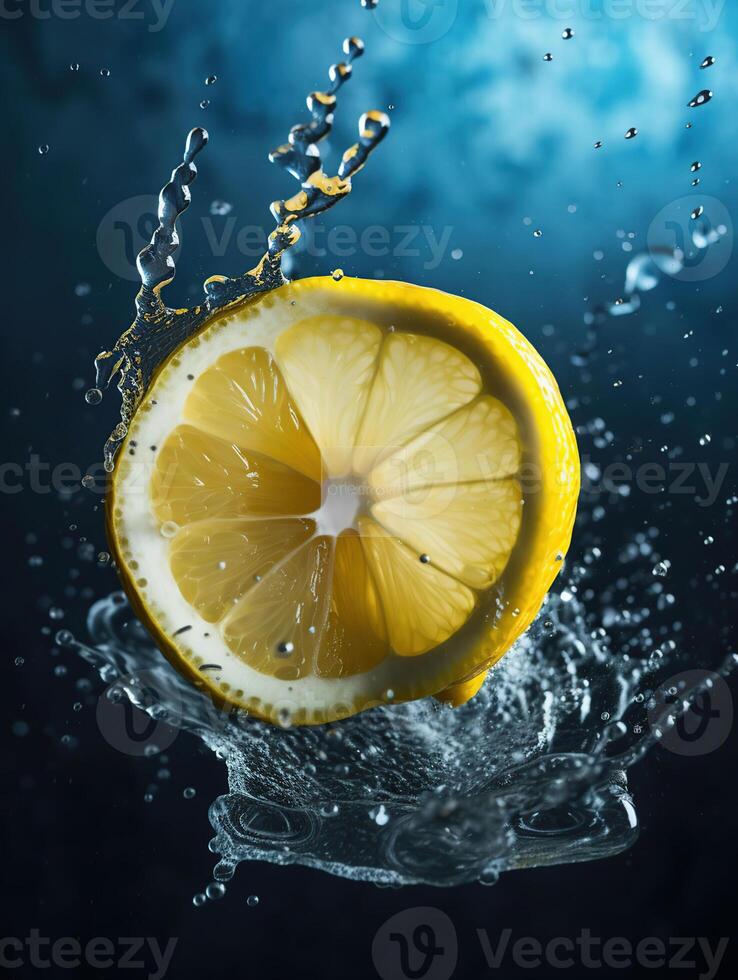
x=158, y=329
x=531, y=772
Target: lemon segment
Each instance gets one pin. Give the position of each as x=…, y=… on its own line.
x=243, y=399
x=355, y=638
x=277, y=627
x=467, y=530
x=480, y=442
x=198, y=477
x=423, y=606
x=215, y=563
x=419, y=380
x=329, y=364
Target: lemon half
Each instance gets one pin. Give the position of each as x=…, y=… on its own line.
x=341, y=494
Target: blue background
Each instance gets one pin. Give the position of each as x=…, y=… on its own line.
x=489, y=142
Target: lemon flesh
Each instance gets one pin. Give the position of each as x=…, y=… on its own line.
x=319, y=506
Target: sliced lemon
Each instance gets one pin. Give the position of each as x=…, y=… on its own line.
x=342, y=494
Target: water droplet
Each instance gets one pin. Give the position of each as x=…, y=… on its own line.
x=548, y=56
x=353, y=47
x=457, y=254
x=56, y=613
x=379, y=815
x=65, y=638
x=697, y=213
x=425, y=559
x=211, y=79
x=631, y=133
x=220, y=208
x=168, y=529
x=661, y=570
x=43, y=149
x=285, y=648
x=188, y=792
x=215, y=890
x=538, y=233
x=708, y=62
x=198, y=900
x=702, y=98
x=205, y=103
x=88, y=482
x=105, y=72
x=696, y=182
x=337, y=275
x=74, y=66
x=567, y=33
x=93, y=396
x=696, y=166
x=252, y=901
x=598, y=145
x=369, y=4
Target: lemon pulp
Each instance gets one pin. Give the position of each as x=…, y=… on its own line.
x=319, y=505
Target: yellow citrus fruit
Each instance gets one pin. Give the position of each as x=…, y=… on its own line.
x=340, y=494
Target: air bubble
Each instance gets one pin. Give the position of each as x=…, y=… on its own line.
x=93, y=396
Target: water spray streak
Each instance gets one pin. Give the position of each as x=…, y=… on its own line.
x=158, y=329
